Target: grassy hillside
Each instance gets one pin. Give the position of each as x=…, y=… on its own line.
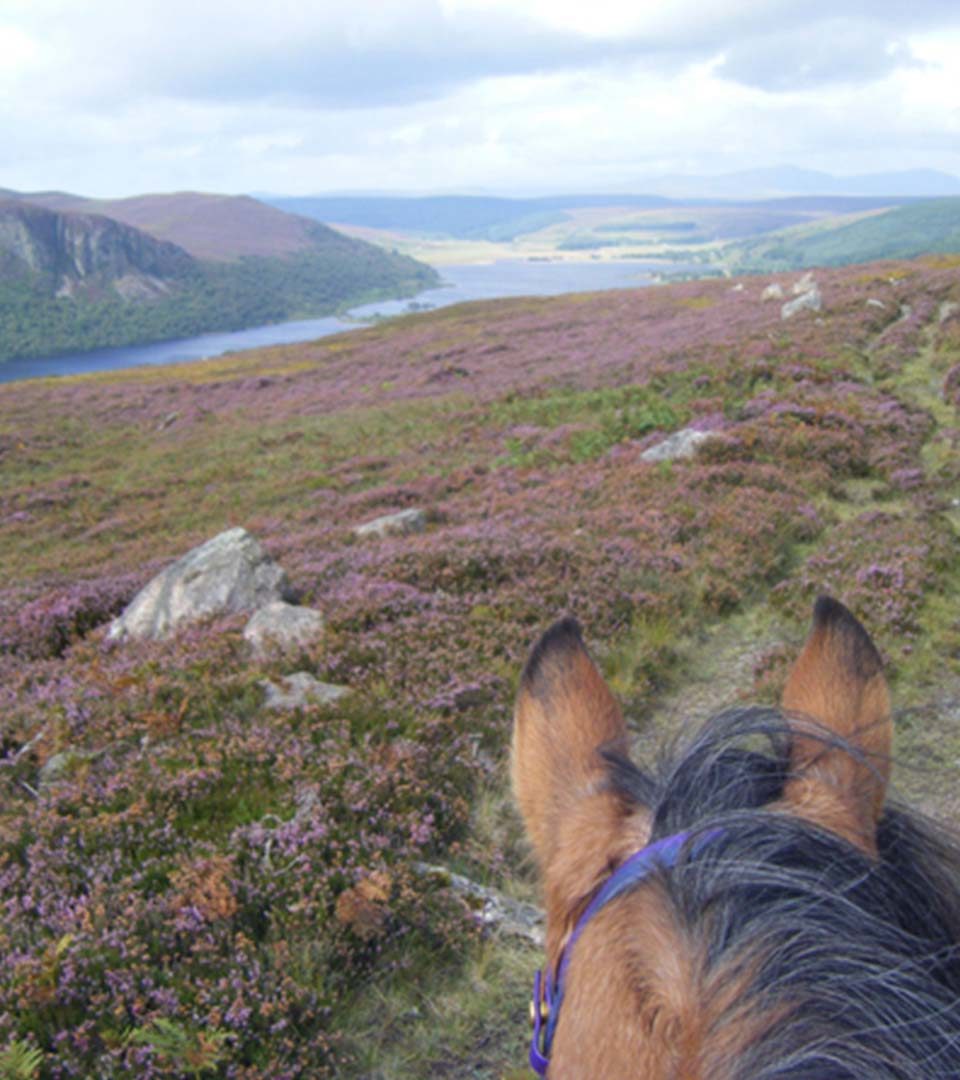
x=690, y=225
x=212, y=887
x=929, y=226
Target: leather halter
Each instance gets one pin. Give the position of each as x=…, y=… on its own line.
x=547, y=991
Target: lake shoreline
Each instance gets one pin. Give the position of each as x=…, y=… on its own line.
x=461, y=284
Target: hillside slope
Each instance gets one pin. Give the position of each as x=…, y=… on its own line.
x=72, y=279
x=194, y=881
x=904, y=232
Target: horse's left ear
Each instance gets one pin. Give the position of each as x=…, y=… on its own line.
x=565, y=716
x=840, y=769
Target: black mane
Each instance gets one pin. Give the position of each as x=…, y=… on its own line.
x=861, y=954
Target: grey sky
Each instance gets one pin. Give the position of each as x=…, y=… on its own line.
x=114, y=97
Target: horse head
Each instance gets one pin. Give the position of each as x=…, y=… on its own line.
x=752, y=906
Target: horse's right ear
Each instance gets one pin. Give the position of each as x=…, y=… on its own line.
x=839, y=767
x=577, y=823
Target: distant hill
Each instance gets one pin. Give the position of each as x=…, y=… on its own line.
x=916, y=229
x=464, y=217
x=72, y=279
x=207, y=226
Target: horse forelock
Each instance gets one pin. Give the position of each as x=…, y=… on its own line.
x=780, y=949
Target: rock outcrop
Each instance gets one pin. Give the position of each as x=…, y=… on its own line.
x=226, y=575
x=808, y=297
x=73, y=254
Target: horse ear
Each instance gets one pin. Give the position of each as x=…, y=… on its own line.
x=565, y=715
x=838, y=683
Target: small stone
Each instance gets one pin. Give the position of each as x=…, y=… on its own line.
x=400, y=524
x=493, y=910
x=59, y=766
x=773, y=291
x=299, y=690
x=283, y=627
x=872, y=302
x=678, y=446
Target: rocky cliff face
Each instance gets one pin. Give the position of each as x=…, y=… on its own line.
x=87, y=255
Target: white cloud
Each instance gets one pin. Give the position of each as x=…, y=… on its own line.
x=127, y=95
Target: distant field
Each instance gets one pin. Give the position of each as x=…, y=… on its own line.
x=612, y=232
x=781, y=234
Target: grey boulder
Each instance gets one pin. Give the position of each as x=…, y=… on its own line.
x=228, y=574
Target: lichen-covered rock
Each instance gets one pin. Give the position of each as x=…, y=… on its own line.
x=228, y=574
x=284, y=628
x=399, y=524
x=773, y=291
x=299, y=690
x=681, y=444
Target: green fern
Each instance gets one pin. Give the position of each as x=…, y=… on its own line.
x=195, y=1052
x=20, y=1061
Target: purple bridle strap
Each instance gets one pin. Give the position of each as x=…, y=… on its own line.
x=548, y=991
x=541, y=996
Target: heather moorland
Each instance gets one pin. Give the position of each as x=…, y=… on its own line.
x=206, y=887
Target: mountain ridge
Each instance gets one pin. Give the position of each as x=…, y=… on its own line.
x=206, y=225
